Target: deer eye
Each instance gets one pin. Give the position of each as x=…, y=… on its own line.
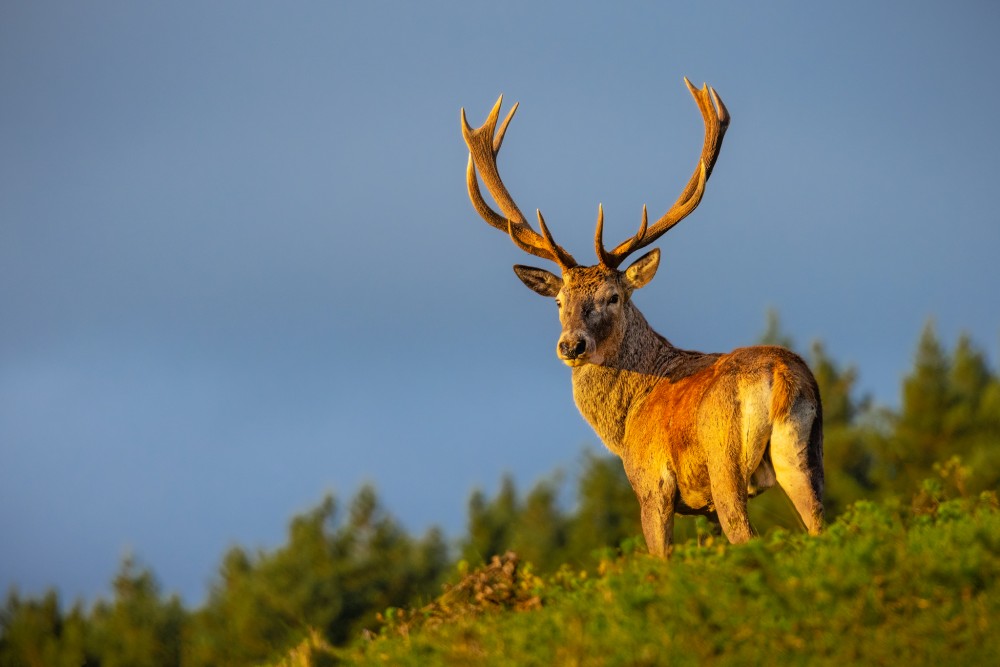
x=613, y=299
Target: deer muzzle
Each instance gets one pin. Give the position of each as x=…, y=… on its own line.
x=575, y=349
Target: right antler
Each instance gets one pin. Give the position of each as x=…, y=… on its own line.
x=484, y=144
x=716, y=118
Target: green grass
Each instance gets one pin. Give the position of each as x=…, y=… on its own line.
x=885, y=584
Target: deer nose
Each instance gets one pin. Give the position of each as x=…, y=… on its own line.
x=571, y=349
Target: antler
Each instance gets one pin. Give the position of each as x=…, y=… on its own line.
x=716, y=118
x=484, y=144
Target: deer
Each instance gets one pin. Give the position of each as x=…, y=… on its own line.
x=697, y=433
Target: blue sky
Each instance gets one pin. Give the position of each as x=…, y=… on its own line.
x=239, y=268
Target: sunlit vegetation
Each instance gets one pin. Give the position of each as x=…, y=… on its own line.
x=887, y=583
x=906, y=572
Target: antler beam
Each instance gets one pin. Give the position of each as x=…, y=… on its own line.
x=484, y=144
x=716, y=118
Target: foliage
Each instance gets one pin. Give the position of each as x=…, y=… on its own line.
x=919, y=575
x=950, y=406
x=540, y=532
x=37, y=634
x=491, y=523
x=328, y=581
x=331, y=578
x=503, y=584
x=139, y=628
x=774, y=334
x=135, y=629
x=885, y=584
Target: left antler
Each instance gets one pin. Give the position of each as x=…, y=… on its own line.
x=484, y=145
x=716, y=118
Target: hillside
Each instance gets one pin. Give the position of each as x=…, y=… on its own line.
x=888, y=583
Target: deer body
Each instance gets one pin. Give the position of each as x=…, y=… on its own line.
x=697, y=433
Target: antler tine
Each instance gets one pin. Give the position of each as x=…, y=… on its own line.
x=562, y=258
x=554, y=251
x=484, y=144
x=498, y=139
x=716, y=118
x=483, y=149
x=602, y=254
x=608, y=259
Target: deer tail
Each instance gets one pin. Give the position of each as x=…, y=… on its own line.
x=786, y=385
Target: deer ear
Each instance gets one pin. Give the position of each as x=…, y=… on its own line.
x=643, y=269
x=539, y=280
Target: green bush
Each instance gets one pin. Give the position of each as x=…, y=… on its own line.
x=886, y=584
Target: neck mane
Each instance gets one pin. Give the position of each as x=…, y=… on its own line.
x=606, y=394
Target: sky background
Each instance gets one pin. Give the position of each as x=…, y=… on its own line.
x=239, y=268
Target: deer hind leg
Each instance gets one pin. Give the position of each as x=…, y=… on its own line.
x=797, y=457
x=729, y=492
x=741, y=442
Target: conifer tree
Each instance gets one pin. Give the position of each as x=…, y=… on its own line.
x=35, y=633
x=968, y=378
x=972, y=422
x=607, y=512
x=926, y=394
x=491, y=524
x=331, y=577
x=773, y=332
x=137, y=628
x=849, y=446
x=540, y=531
x=921, y=436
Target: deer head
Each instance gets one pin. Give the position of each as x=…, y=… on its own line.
x=594, y=301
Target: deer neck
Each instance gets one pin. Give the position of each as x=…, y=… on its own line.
x=606, y=393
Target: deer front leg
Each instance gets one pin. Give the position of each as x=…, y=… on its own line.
x=657, y=501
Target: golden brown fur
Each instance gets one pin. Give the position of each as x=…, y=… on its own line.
x=697, y=433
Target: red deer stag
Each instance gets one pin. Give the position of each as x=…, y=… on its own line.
x=697, y=433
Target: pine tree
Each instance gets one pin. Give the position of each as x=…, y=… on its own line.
x=773, y=332
x=921, y=437
x=972, y=422
x=540, y=531
x=968, y=378
x=491, y=524
x=607, y=512
x=331, y=578
x=35, y=633
x=137, y=628
x=836, y=387
x=848, y=448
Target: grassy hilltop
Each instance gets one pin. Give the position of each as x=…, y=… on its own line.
x=886, y=584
